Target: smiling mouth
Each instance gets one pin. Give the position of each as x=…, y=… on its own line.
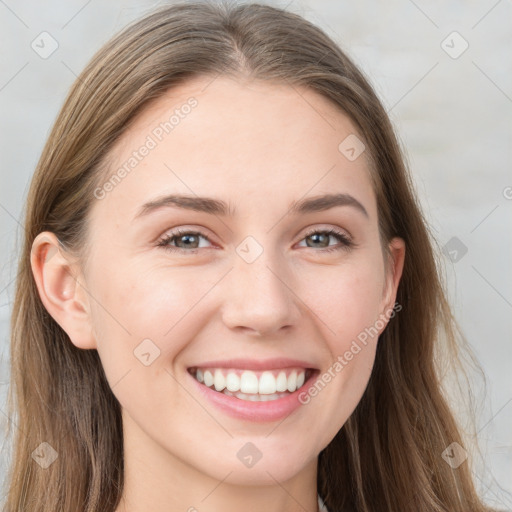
x=255, y=386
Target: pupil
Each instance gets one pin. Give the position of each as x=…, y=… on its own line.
x=326, y=238
x=187, y=239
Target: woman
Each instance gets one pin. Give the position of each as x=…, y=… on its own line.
x=228, y=297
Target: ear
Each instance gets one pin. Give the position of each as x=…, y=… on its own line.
x=394, y=267
x=58, y=282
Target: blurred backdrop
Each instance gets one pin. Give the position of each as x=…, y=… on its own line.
x=442, y=69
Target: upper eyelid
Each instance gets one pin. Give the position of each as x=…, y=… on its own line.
x=341, y=231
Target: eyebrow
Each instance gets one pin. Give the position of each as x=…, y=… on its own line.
x=219, y=207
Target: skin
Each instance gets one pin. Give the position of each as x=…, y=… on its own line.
x=258, y=146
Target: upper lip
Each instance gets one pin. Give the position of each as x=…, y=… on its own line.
x=256, y=364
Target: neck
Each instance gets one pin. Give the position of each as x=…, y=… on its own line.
x=156, y=480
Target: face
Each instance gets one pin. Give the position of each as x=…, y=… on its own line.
x=263, y=286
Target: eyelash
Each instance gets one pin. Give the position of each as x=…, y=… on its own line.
x=346, y=243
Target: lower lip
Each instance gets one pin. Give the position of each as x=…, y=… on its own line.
x=270, y=410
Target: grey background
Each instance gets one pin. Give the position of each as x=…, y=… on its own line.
x=453, y=116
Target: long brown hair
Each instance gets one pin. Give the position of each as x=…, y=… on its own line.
x=388, y=455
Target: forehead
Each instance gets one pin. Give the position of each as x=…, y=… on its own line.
x=249, y=143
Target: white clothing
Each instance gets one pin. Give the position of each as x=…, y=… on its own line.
x=321, y=505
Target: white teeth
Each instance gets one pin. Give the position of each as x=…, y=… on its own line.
x=249, y=382
x=220, y=381
x=301, y=377
x=267, y=384
x=255, y=398
x=233, y=382
x=208, y=378
x=292, y=381
x=281, y=382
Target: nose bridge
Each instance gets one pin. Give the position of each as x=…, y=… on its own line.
x=259, y=296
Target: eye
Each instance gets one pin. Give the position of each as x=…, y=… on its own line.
x=189, y=241
x=320, y=239
x=185, y=239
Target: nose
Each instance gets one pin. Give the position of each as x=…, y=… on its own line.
x=259, y=297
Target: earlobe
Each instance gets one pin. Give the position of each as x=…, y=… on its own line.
x=59, y=288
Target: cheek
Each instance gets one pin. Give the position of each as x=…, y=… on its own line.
x=346, y=299
x=135, y=304
x=144, y=318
